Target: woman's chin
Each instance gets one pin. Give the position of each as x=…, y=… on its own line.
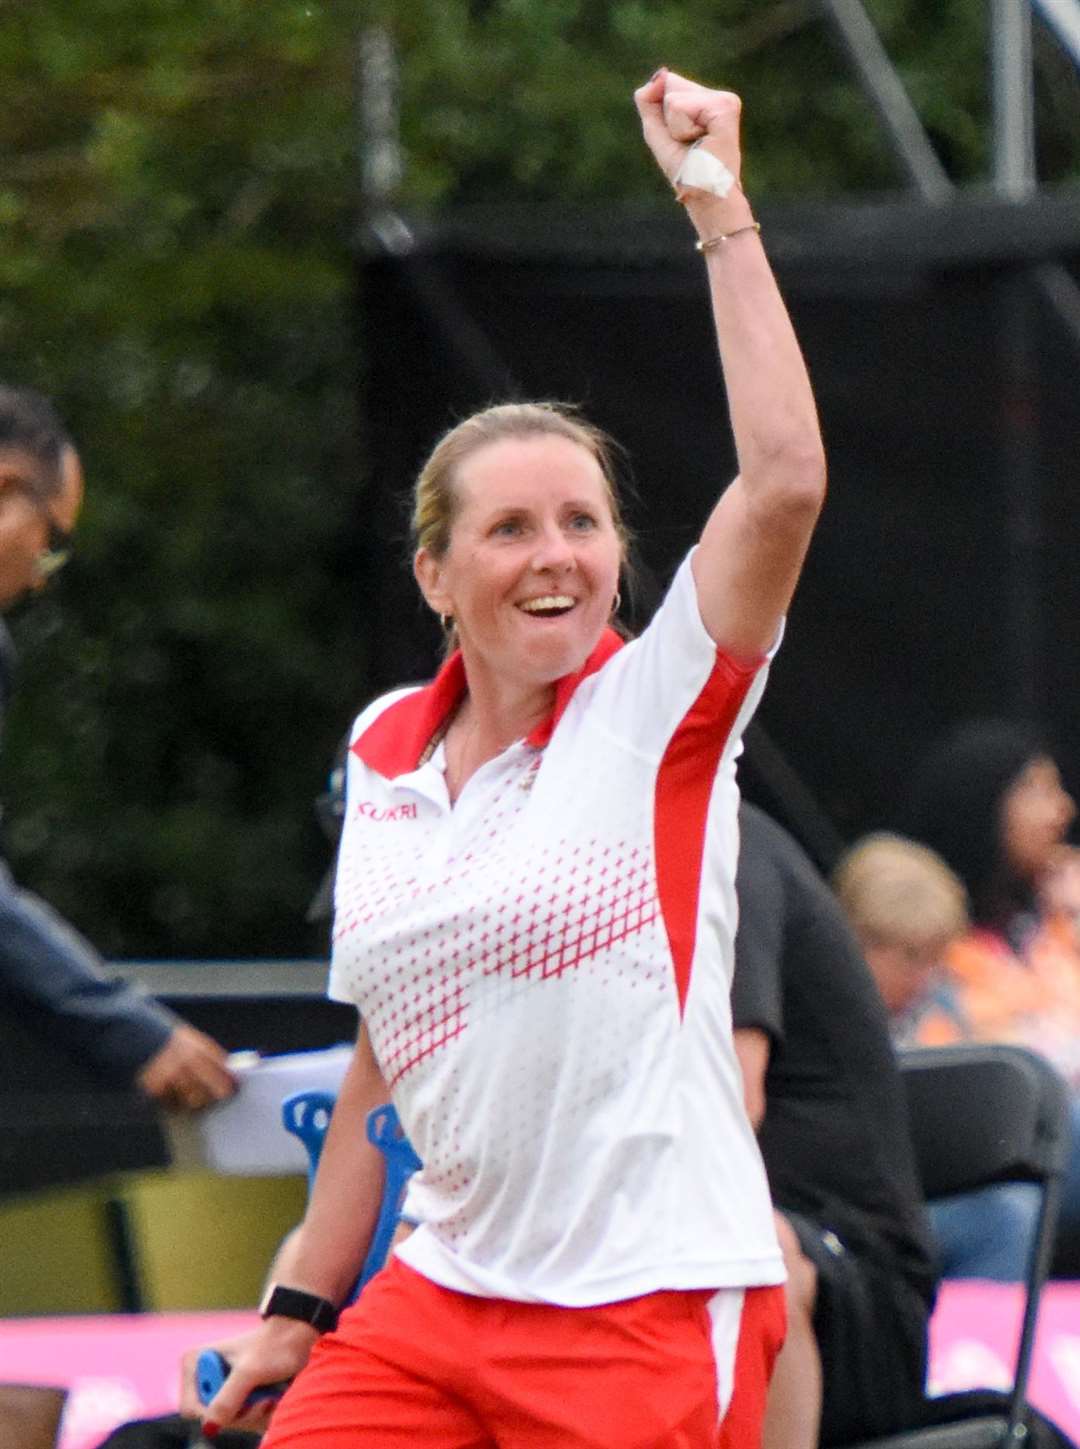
x=553, y=650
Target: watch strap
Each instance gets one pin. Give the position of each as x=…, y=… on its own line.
x=283, y=1302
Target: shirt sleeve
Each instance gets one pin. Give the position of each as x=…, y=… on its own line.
x=674, y=672
x=53, y=978
x=756, y=992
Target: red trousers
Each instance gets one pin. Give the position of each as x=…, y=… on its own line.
x=414, y=1364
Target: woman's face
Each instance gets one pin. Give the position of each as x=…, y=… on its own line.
x=532, y=568
x=1036, y=812
x=905, y=970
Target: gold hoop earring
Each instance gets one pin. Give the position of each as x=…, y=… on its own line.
x=446, y=622
x=617, y=605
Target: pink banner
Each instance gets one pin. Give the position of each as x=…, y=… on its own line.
x=973, y=1337
x=115, y=1367
x=119, y=1368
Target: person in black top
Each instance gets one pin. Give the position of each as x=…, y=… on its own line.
x=50, y=977
x=823, y=1090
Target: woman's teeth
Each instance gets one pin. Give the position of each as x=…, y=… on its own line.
x=548, y=604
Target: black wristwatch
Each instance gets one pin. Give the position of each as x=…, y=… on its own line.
x=281, y=1302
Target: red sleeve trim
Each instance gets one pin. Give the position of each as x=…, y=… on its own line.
x=684, y=787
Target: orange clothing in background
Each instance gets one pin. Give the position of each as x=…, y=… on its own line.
x=1031, y=999
x=936, y=1028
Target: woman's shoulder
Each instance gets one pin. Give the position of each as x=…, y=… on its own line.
x=378, y=706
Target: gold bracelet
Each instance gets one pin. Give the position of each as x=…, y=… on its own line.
x=725, y=236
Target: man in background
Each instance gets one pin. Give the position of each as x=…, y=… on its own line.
x=50, y=977
x=823, y=1091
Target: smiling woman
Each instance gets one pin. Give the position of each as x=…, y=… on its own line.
x=529, y=574
x=535, y=912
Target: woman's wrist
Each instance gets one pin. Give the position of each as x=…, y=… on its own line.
x=713, y=216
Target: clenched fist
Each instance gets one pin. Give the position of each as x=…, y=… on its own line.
x=676, y=112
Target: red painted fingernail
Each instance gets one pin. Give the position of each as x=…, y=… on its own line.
x=210, y=1429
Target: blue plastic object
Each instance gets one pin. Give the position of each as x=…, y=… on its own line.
x=212, y=1370
x=384, y=1131
x=307, y=1115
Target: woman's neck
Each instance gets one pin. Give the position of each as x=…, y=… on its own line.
x=492, y=715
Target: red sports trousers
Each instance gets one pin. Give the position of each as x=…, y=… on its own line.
x=414, y=1364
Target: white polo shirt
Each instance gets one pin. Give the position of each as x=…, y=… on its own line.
x=544, y=971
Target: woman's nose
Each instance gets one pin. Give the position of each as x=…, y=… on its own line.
x=553, y=550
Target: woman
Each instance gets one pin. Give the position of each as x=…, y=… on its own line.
x=908, y=910
x=990, y=800
x=517, y=909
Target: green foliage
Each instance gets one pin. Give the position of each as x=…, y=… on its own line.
x=177, y=274
x=177, y=199
x=535, y=98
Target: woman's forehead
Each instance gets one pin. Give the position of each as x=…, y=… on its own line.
x=529, y=470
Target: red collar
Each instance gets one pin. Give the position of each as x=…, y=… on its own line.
x=395, y=742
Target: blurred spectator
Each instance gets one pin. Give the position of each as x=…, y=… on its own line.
x=907, y=908
x=990, y=800
x=1058, y=899
x=49, y=975
x=823, y=1090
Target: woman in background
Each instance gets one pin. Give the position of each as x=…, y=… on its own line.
x=909, y=911
x=989, y=798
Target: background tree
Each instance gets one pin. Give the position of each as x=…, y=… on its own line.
x=178, y=200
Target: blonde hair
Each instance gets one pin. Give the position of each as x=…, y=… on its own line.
x=435, y=500
x=895, y=890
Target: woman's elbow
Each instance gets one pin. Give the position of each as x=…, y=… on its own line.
x=794, y=483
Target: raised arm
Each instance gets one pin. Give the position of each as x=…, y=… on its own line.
x=754, y=544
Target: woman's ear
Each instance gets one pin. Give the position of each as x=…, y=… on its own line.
x=427, y=572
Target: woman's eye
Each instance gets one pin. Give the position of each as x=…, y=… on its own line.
x=582, y=522
x=509, y=528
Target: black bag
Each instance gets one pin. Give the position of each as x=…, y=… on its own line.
x=170, y=1431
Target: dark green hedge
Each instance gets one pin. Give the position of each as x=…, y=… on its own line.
x=177, y=198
